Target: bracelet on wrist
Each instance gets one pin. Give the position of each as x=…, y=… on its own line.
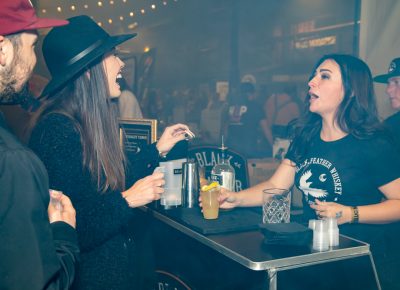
x=354, y=214
x=162, y=155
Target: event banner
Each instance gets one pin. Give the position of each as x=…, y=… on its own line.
x=208, y=156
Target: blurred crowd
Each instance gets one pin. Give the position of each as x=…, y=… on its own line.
x=249, y=119
x=255, y=114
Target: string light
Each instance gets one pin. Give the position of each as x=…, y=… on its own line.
x=101, y=4
x=133, y=25
x=112, y=2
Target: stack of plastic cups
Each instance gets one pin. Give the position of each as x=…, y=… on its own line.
x=333, y=232
x=311, y=224
x=321, y=236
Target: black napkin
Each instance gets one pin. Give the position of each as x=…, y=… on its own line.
x=235, y=220
x=286, y=234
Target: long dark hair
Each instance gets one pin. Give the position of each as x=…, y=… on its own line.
x=357, y=113
x=86, y=101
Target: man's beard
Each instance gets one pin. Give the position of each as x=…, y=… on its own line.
x=8, y=81
x=8, y=95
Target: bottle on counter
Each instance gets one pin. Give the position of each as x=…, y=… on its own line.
x=223, y=172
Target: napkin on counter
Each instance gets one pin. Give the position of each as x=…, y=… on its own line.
x=286, y=234
x=235, y=220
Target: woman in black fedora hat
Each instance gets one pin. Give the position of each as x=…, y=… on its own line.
x=76, y=135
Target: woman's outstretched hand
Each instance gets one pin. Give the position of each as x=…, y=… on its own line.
x=172, y=135
x=227, y=199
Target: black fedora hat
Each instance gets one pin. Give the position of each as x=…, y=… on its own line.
x=69, y=49
x=393, y=71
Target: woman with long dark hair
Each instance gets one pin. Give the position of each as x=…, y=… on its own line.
x=76, y=136
x=340, y=158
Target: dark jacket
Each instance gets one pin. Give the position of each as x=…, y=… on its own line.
x=34, y=254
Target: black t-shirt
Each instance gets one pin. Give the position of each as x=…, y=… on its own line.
x=393, y=124
x=244, y=126
x=347, y=171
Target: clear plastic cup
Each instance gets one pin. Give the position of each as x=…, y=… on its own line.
x=311, y=224
x=320, y=236
x=55, y=198
x=210, y=203
x=333, y=232
x=276, y=206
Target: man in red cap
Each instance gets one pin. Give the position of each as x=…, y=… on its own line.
x=38, y=244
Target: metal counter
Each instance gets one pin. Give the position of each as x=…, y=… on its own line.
x=253, y=255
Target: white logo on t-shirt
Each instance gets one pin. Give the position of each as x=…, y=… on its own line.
x=319, y=180
x=305, y=186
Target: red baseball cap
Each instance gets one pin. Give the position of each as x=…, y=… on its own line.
x=19, y=15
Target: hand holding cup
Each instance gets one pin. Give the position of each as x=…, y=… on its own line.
x=60, y=208
x=145, y=190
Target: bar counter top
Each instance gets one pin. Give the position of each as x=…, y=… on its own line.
x=247, y=248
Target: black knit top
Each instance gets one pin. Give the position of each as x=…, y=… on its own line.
x=102, y=218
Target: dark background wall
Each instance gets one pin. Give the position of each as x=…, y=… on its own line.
x=199, y=42
x=203, y=41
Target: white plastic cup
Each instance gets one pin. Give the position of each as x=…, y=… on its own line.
x=320, y=236
x=333, y=232
x=55, y=199
x=172, y=196
x=311, y=224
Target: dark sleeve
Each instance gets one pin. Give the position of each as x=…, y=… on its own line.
x=99, y=215
x=66, y=244
x=260, y=113
x=383, y=160
x=143, y=163
x=30, y=258
x=290, y=152
x=393, y=126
